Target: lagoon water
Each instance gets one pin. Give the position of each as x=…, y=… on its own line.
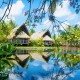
x=47, y=64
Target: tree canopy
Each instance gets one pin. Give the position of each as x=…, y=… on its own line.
x=5, y=29
x=71, y=36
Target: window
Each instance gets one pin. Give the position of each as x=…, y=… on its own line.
x=21, y=41
x=24, y=41
x=46, y=43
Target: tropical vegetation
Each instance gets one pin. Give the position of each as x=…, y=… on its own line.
x=69, y=36
x=38, y=42
x=6, y=48
x=5, y=28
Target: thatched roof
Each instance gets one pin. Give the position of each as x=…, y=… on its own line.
x=38, y=35
x=47, y=38
x=21, y=59
x=18, y=30
x=46, y=54
x=22, y=34
x=37, y=56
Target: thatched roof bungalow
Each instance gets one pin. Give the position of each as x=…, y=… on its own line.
x=22, y=58
x=38, y=35
x=45, y=35
x=47, y=41
x=20, y=35
x=40, y=57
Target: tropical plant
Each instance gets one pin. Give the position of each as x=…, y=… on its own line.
x=38, y=42
x=32, y=31
x=6, y=50
x=71, y=36
x=5, y=29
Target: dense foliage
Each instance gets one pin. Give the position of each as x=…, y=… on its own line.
x=31, y=31
x=70, y=36
x=6, y=50
x=5, y=29
x=38, y=42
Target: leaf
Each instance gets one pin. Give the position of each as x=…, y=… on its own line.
x=52, y=6
x=6, y=62
x=10, y=58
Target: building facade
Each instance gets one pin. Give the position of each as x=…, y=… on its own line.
x=20, y=35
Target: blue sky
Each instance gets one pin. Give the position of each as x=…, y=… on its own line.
x=65, y=13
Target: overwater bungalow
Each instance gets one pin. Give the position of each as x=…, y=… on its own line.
x=45, y=35
x=20, y=35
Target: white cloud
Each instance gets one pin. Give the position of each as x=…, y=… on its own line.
x=64, y=10
x=62, y=64
x=16, y=10
x=47, y=22
x=44, y=25
x=78, y=23
x=47, y=67
x=9, y=18
x=72, y=16
x=35, y=64
x=13, y=76
x=2, y=11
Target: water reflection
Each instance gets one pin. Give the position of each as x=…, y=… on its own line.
x=22, y=56
x=47, y=64
x=72, y=49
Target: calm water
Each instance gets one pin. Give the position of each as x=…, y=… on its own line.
x=46, y=64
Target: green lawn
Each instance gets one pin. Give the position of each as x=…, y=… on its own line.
x=31, y=48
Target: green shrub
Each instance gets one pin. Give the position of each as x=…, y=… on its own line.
x=6, y=50
x=38, y=42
